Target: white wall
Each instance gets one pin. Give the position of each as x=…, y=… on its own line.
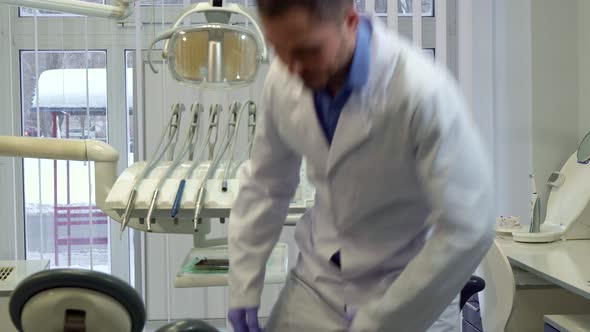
x=584, y=61
x=555, y=87
x=494, y=39
x=541, y=91
x=482, y=68
x=512, y=105
x=525, y=67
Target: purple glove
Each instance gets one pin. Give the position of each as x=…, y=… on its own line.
x=350, y=318
x=244, y=320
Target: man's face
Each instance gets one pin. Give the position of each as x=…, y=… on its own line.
x=313, y=49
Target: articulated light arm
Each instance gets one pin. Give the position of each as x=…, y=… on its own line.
x=103, y=155
x=119, y=11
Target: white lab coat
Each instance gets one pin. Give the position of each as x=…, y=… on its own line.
x=404, y=192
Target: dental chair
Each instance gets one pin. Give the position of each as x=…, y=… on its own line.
x=497, y=300
x=73, y=300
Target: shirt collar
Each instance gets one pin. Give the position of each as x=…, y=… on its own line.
x=359, y=69
x=358, y=74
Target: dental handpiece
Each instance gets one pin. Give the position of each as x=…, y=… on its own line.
x=195, y=126
x=252, y=127
x=173, y=135
x=151, y=209
x=251, y=136
x=233, y=136
x=198, y=207
x=188, y=143
x=245, y=155
x=213, y=125
x=174, y=118
x=127, y=213
x=191, y=142
x=234, y=107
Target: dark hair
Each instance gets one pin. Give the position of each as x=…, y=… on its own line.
x=323, y=9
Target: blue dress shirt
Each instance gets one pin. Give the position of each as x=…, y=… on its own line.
x=328, y=107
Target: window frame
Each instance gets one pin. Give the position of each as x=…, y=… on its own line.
x=100, y=38
x=52, y=14
x=410, y=14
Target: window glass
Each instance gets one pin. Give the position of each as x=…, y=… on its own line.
x=64, y=95
x=404, y=7
x=129, y=67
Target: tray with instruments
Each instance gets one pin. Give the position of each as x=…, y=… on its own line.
x=179, y=188
x=218, y=199
x=208, y=267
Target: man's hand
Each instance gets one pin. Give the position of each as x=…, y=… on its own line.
x=244, y=320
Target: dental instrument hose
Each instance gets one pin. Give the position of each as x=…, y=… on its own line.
x=172, y=137
x=227, y=172
x=158, y=155
x=228, y=135
x=188, y=141
x=213, y=125
x=251, y=134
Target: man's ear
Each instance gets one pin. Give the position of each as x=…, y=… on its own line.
x=351, y=18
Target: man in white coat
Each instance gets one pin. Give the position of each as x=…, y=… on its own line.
x=402, y=213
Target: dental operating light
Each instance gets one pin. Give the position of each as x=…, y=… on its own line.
x=214, y=54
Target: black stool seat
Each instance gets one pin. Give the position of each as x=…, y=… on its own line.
x=189, y=325
x=473, y=286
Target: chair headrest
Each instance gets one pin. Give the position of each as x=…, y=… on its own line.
x=77, y=278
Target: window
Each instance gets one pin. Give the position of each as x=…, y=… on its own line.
x=64, y=96
x=404, y=7
x=181, y=2
x=129, y=67
x=28, y=12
